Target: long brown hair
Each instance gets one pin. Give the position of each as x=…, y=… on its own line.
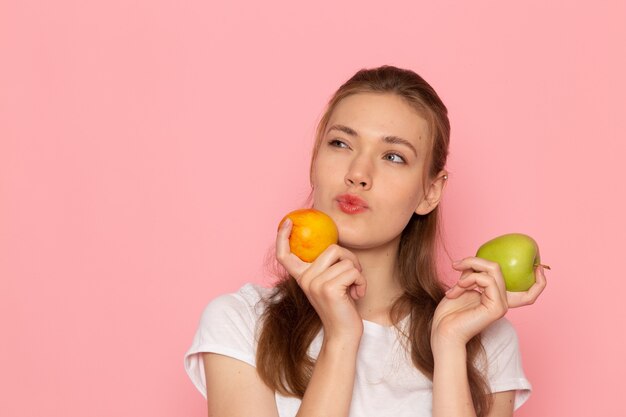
x=290, y=323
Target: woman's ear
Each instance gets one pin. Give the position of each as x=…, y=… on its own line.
x=433, y=194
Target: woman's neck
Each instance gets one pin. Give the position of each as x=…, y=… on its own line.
x=383, y=286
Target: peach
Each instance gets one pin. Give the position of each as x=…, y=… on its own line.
x=312, y=232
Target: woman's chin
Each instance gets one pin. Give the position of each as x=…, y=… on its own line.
x=357, y=244
x=360, y=243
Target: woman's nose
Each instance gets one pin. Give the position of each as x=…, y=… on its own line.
x=359, y=174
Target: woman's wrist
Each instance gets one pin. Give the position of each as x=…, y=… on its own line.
x=342, y=345
x=330, y=389
x=451, y=389
x=443, y=345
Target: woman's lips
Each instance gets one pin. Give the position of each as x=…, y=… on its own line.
x=351, y=204
x=351, y=208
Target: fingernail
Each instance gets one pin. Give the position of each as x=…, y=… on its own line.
x=283, y=225
x=456, y=262
x=449, y=289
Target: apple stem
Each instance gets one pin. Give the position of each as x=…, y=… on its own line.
x=545, y=266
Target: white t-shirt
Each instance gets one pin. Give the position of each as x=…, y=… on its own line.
x=386, y=382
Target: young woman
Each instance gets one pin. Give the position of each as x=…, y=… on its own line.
x=368, y=329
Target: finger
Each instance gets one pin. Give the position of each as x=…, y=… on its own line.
x=489, y=286
x=340, y=276
x=518, y=299
x=475, y=263
x=540, y=276
x=457, y=290
x=329, y=274
x=466, y=272
x=338, y=280
x=357, y=291
x=328, y=280
x=331, y=255
x=353, y=280
x=294, y=265
x=353, y=293
x=282, y=238
x=483, y=265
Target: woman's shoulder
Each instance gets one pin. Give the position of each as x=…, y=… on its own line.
x=504, y=360
x=500, y=341
x=250, y=293
x=247, y=302
x=227, y=327
x=500, y=332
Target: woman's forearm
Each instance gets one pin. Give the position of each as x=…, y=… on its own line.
x=330, y=390
x=451, y=391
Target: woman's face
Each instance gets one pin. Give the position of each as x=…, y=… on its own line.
x=374, y=148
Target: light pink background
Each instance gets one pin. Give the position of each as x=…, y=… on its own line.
x=148, y=150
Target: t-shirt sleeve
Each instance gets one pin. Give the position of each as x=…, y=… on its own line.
x=504, y=359
x=227, y=327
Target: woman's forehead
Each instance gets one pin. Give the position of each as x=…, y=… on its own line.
x=379, y=114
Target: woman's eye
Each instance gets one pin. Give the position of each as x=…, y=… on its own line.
x=398, y=158
x=337, y=143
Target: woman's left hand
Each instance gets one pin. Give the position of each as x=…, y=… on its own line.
x=478, y=299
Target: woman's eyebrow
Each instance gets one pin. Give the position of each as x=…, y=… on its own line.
x=387, y=139
x=344, y=129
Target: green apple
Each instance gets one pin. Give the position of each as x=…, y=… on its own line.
x=518, y=256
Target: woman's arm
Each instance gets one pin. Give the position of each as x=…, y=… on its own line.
x=234, y=388
x=461, y=315
x=503, y=404
x=332, y=283
x=330, y=391
x=451, y=391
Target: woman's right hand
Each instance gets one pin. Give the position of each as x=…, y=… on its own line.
x=332, y=283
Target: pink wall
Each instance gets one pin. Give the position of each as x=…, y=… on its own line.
x=148, y=150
